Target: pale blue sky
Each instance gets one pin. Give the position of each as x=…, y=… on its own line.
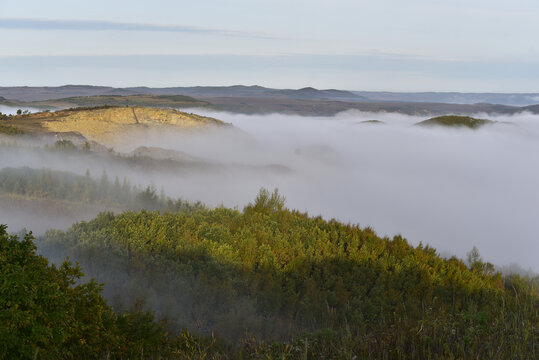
x=414, y=45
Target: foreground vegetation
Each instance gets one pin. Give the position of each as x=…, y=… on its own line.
x=268, y=282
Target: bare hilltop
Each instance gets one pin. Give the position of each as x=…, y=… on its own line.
x=102, y=124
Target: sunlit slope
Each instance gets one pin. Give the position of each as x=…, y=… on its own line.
x=276, y=273
x=103, y=124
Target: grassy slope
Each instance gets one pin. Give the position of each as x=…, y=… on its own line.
x=103, y=122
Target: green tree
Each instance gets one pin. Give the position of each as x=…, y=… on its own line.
x=43, y=312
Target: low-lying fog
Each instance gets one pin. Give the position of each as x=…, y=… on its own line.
x=450, y=188
x=10, y=110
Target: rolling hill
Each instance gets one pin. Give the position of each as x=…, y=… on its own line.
x=102, y=124
x=455, y=121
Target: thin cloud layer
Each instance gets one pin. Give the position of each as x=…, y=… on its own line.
x=94, y=25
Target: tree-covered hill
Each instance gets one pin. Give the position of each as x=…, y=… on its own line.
x=270, y=273
x=45, y=314
x=456, y=121
x=66, y=186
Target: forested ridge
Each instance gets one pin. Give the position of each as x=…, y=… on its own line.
x=62, y=185
x=181, y=280
x=268, y=282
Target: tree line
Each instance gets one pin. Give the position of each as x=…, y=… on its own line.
x=61, y=185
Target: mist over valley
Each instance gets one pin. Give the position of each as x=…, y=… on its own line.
x=170, y=210
x=247, y=180
x=449, y=187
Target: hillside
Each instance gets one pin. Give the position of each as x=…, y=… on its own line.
x=81, y=91
x=103, y=124
x=512, y=99
x=269, y=273
x=375, y=122
x=122, y=98
x=258, y=99
x=262, y=282
x=455, y=121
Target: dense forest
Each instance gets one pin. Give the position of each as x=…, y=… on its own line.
x=61, y=185
x=268, y=282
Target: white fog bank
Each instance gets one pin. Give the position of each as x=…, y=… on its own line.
x=450, y=188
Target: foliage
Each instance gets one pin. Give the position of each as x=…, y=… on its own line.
x=42, y=310
x=272, y=274
x=64, y=145
x=44, y=315
x=455, y=120
x=96, y=107
x=46, y=183
x=10, y=130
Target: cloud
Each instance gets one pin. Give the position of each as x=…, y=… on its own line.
x=450, y=188
x=95, y=25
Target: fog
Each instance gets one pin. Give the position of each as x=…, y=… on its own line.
x=450, y=188
x=10, y=110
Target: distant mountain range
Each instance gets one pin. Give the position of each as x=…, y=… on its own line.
x=259, y=100
x=24, y=93
x=454, y=97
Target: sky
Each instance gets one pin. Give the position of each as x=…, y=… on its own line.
x=415, y=45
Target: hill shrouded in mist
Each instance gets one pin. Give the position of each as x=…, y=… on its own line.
x=103, y=124
x=455, y=121
x=321, y=288
x=306, y=101
x=184, y=279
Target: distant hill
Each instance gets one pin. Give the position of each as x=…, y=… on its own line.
x=254, y=91
x=260, y=100
x=173, y=101
x=26, y=93
x=456, y=121
x=49, y=93
x=312, y=93
x=102, y=124
x=533, y=108
x=519, y=99
x=120, y=92
x=375, y=122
